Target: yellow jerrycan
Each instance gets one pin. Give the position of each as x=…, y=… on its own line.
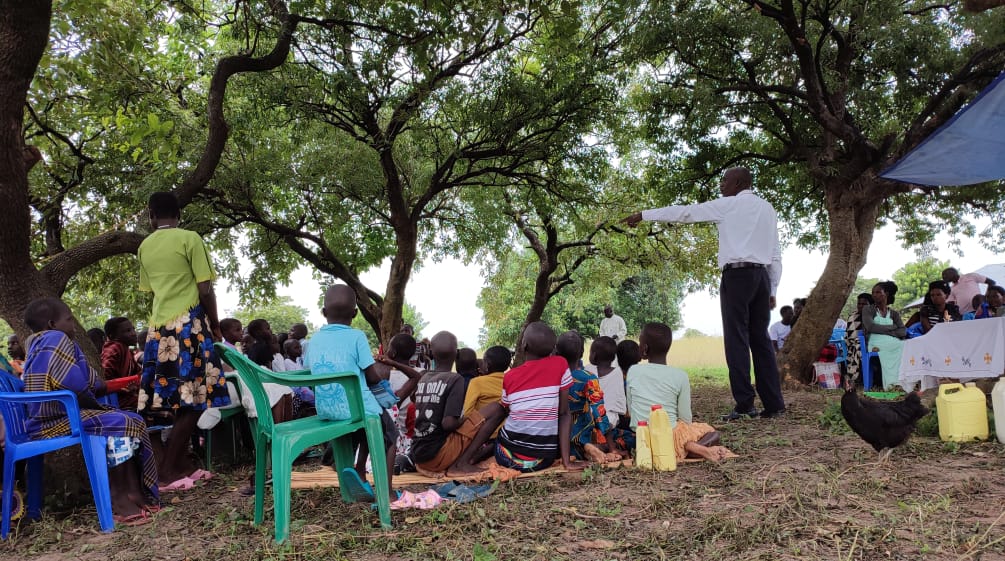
x=643, y=452
x=963, y=413
x=661, y=440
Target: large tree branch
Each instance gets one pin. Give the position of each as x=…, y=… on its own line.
x=954, y=93
x=61, y=268
x=219, y=130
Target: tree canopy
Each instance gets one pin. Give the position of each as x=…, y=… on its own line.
x=344, y=135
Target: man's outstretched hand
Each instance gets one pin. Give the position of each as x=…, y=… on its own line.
x=633, y=220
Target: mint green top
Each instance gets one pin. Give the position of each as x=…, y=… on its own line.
x=172, y=263
x=652, y=384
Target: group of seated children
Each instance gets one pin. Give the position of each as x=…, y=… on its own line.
x=459, y=412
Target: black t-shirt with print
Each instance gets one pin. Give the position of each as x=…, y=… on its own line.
x=438, y=395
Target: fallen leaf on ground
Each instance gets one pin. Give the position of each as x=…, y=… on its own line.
x=596, y=544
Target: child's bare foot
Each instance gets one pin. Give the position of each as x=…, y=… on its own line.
x=594, y=454
x=463, y=468
x=612, y=457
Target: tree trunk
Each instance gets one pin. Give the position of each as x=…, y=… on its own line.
x=547, y=264
x=852, y=214
x=397, y=281
x=24, y=33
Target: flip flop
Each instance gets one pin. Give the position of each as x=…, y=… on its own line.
x=17, y=508
x=359, y=490
x=138, y=519
x=183, y=484
x=152, y=509
x=201, y=475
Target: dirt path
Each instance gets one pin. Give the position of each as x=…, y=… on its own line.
x=798, y=491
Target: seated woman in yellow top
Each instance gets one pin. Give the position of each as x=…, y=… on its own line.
x=181, y=372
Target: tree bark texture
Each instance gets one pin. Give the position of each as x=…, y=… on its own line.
x=853, y=212
x=24, y=33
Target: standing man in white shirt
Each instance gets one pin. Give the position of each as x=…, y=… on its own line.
x=750, y=258
x=613, y=325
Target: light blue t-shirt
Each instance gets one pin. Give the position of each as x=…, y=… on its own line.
x=339, y=348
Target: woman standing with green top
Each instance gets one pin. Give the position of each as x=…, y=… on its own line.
x=181, y=372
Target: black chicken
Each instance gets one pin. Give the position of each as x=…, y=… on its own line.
x=883, y=424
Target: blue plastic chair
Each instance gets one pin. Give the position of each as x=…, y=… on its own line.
x=20, y=446
x=838, y=340
x=866, y=362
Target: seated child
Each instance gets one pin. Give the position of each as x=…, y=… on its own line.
x=603, y=351
x=303, y=397
x=16, y=352
x=467, y=365
x=538, y=429
x=995, y=299
x=403, y=380
x=487, y=389
x=117, y=360
x=264, y=351
x=445, y=439
x=337, y=347
x=55, y=362
x=979, y=306
x=591, y=430
x=656, y=383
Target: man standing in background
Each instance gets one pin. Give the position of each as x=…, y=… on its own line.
x=613, y=325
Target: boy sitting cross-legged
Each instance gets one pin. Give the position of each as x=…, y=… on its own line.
x=656, y=383
x=444, y=439
x=538, y=429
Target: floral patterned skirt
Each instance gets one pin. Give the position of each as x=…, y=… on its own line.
x=181, y=369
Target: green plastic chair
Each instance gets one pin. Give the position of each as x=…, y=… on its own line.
x=291, y=438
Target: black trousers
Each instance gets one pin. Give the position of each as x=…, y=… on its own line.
x=744, y=299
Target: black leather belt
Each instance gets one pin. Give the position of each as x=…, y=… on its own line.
x=743, y=265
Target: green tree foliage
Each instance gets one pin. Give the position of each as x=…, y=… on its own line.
x=691, y=332
x=400, y=109
x=861, y=285
x=281, y=313
x=912, y=279
x=638, y=298
x=818, y=98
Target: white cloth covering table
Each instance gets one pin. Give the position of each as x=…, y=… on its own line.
x=961, y=349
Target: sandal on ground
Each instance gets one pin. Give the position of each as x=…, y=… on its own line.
x=17, y=508
x=140, y=518
x=360, y=491
x=201, y=475
x=183, y=484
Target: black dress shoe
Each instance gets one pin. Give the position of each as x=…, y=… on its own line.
x=735, y=415
x=772, y=414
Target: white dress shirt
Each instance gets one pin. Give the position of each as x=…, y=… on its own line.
x=614, y=327
x=748, y=229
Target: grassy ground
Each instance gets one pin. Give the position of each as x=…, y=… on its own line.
x=803, y=488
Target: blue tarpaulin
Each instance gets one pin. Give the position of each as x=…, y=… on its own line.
x=968, y=149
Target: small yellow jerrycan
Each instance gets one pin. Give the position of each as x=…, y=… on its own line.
x=963, y=413
x=661, y=440
x=643, y=452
